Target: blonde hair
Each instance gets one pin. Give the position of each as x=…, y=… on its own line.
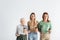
x=34, y=16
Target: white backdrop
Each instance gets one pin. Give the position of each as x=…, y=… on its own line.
x=12, y=10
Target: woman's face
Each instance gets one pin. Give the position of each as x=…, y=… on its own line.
x=45, y=17
x=22, y=21
x=32, y=17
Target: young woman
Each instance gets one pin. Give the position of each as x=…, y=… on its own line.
x=44, y=27
x=32, y=24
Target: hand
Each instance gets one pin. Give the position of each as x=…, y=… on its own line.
x=26, y=33
x=29, y=31
x=17, y=35
x=49, y=31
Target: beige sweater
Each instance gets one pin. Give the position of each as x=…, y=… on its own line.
x=32, y=25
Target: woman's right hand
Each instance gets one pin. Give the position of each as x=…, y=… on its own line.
x=17, y=35
x=29, y=31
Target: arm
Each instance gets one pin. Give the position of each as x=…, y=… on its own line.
x=25, y=31
x=39, y=27
x=28, y=27
x=17, y=32
x=50, y=28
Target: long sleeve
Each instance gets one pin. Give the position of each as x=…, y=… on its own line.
x=28, y=26
x=17, y=30
x=39, y=27
x=50, y=26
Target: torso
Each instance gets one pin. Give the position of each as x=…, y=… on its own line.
x=32, y=25
x=45, y=26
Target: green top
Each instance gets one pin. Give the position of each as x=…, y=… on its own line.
x=44, y=26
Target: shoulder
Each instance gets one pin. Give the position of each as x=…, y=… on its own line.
x=19, y=25
x=28, y=22
x=41, y=21
x=50, y=22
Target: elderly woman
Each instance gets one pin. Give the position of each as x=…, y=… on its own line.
x=21, y=31
x=44, y=27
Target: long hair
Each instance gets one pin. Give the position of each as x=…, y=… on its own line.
x=31, y=15
x=34, y=16
x=46, y=14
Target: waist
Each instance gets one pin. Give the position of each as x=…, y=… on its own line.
x=45, y=32
x=22, y=35
x=32, y=30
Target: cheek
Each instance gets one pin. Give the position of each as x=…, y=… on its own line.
x=23, y=22
x=45, y=17
x=33, y=17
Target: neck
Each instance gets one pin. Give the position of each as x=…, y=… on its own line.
x=22, y=24
x=45, y=20
x=32, y=20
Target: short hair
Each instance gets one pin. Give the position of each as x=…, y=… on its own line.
x=21, y=19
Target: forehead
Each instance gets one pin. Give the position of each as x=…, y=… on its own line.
x=32, y=15
x=22, y=19
x=45, y=14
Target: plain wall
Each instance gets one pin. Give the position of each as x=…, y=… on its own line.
x=12, y=10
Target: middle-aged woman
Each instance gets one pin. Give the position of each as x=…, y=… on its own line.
x=44, y=26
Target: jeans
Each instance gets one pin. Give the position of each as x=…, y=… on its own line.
x=32, y=36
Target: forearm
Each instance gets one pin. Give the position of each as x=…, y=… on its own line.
x=17, y=35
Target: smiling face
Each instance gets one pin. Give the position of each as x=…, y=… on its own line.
x=45, y=16
x=32, y=16
x=22, y=21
